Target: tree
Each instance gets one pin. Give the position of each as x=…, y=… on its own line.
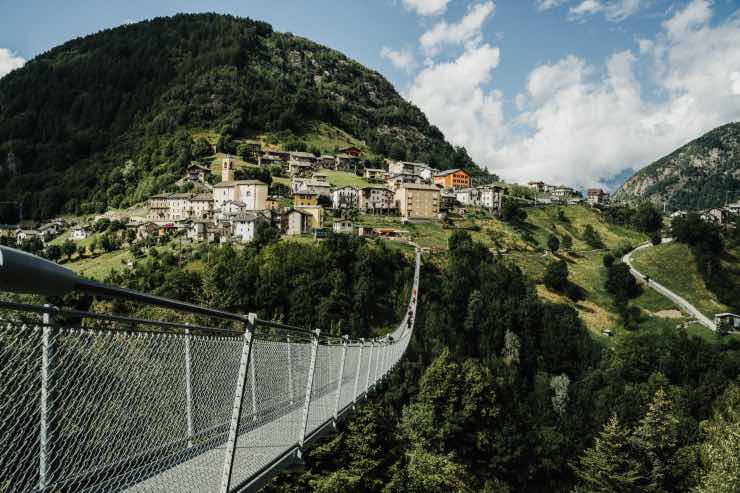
x=69, y=248
x=620, y=282
x=647, y=218
x=591, y=237
x=656, y=238
x=556, y=275
x=608, y=260
x=608, y=467
x=567, y=242
x=81, y=251
x=553, y=244
x=512, y=211
x=107, y=243
x=720, y=452
x=53, y=252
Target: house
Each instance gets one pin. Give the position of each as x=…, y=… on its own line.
x=405, y=167
x=8, y=230
x=343, y=227
x=179, y=206
x=469, y=197
x=22, y=235
x=448, y=199
x=374, y=174
x=396, y=180
x=254, y=150
x=453, y=178
x=344, y=197
x=376, y=199
x=268, y=159
x=537, y=186
x=322, y=177
x=301, y=199
x=51, y=230
x=351, y=150
x=729, y=320
x=230, y=208
x=318, y=187
x=316, y=212
x=79, y=233
x=198, y=229
x=146, y=230
x=299, y=168
x=201, y=206
x=717, y=215
x=326, y=161
x=418, y=201
x=197, y=173
x=253, y=193
x=296, y=222
x=563, y=192
x=345, y=162
x=596, y=196
x=491, y=198
x=392, y=234
x=734, y=208
x=243, y=226
x=303, y=157
x=159, y=208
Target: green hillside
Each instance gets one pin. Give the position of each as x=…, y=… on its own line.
x=661, y=263
x=108, y=119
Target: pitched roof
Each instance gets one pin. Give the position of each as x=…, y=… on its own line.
x=225, y=184
x=420, y=186
x=451, y=171
x=203, y=197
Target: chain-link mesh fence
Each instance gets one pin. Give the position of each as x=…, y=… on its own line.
x=122, y=409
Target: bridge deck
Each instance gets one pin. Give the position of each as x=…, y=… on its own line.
x=255, y=449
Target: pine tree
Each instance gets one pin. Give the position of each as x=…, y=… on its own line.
x=608, y=466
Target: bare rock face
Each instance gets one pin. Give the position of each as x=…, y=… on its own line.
x=704, y=173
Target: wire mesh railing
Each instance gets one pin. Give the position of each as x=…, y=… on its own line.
x=87, y=409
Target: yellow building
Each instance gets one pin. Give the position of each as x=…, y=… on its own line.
x=415, y=200
x=302, y=199
x=316, y=212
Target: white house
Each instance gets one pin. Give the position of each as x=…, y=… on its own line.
x=243, y=226
x=469, y=197
x=179, y=206
x=318, y=187
x=201, y=206
x=344, y=197
x=79, y=233
x=491, y=197
x=230, y=208
x=375, y=173
x=343, y=227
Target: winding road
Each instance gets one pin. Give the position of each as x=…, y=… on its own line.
x=676, y=299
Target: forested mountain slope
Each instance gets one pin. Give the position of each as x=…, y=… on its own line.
x=698, y=175
x=107, y=119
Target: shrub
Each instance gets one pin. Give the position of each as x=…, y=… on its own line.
x=656, y=238
x=608, y=260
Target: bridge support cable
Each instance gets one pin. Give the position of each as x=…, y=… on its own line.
x=102, y=402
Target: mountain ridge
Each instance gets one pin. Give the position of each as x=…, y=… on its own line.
x=698, y=175
x=74, y=116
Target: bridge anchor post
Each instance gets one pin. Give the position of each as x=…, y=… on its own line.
x=47, y=355
x=238, y=397
x=309, y=387
x=345, y=340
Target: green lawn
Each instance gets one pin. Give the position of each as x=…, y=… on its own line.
x=343, y=178
x=673, y=265
x=101, y=266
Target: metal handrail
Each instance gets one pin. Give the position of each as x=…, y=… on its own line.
x=22, y=272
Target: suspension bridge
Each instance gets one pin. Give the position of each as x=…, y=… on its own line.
x=104, y=402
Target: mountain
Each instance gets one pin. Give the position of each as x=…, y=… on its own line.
x=108, y=119
x=699, y=175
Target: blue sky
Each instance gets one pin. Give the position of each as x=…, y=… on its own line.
x=573, y=91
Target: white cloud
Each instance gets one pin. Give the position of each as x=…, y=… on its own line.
x=694, y=15
x=466, y=31
x=548, y=4
x=402, y=59
x=452, y=96
x=9, y=61
x=426, y=7
x=613, y=10
x=584, y=123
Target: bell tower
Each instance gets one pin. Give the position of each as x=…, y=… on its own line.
x=227, y=169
